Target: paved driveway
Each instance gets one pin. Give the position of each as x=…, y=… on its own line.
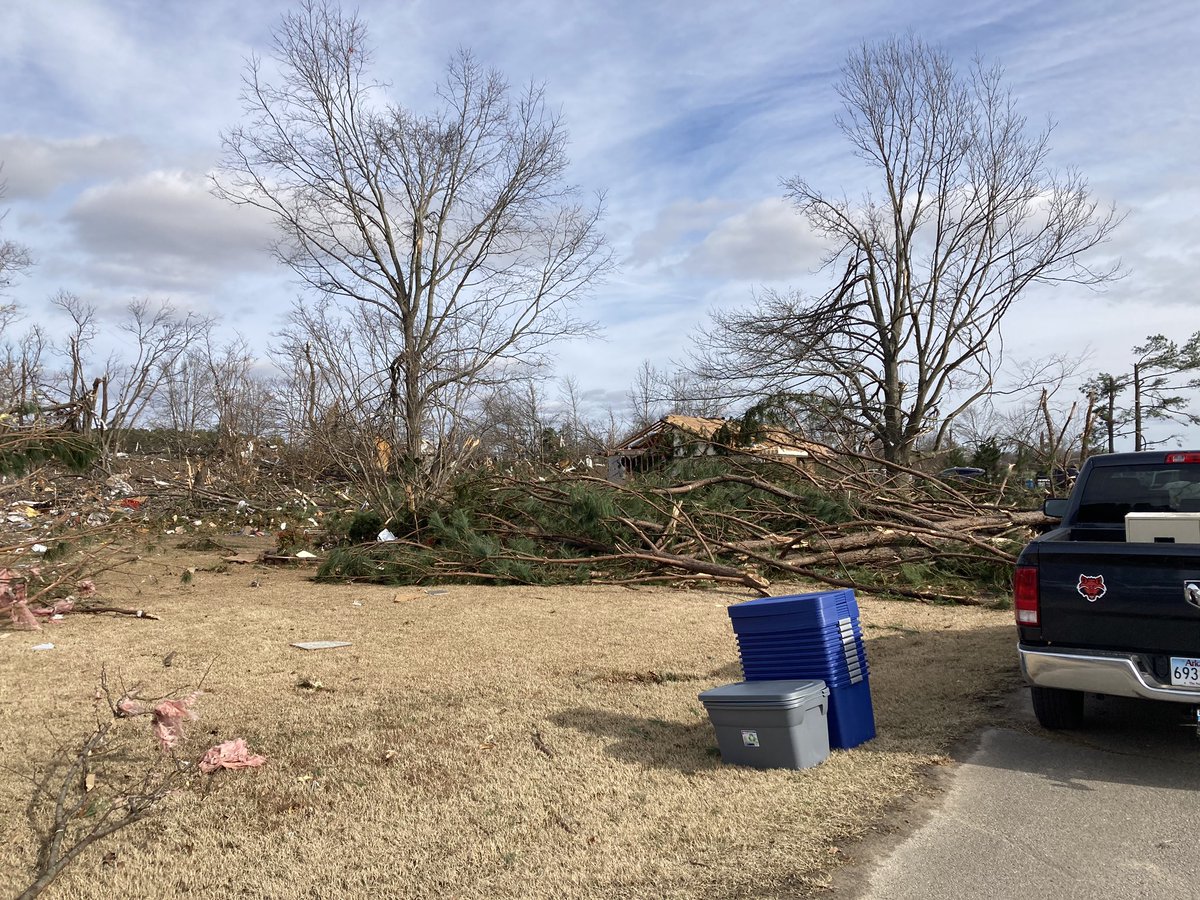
x=1111, y=811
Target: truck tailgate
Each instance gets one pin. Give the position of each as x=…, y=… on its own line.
x=1119, y=595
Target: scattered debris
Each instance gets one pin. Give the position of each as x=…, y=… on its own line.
x=17, y=594
x=386, y=536
x=232, y=754
x=287, y=559
x=320, y=645
x=127, y=707
x=540, y=744
x=118, y=486
x=119, y=611
x=42, y=647
x=169, y=716
x=241, y=558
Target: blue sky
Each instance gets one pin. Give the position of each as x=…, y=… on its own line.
x=686, y=114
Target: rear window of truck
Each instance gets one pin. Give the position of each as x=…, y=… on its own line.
x=1110, y=493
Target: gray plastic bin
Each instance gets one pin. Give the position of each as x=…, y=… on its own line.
x=770, y=724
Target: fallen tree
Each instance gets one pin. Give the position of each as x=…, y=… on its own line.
x=848, y=521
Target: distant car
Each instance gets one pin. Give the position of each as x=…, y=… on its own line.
x=1060, y=477
x=963, y=473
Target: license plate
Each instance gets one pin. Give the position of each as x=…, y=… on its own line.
x=1185, y=671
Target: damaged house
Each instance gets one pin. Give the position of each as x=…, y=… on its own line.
x=682, y=437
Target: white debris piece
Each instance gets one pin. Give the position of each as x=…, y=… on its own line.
x=320, y=645
x=119, y=486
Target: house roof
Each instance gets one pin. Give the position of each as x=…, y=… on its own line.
x=772, y=440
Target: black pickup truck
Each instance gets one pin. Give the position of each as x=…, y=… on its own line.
x=1109, y=601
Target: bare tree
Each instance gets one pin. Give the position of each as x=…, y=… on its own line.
x=213, y=398
x=1049, y=425
x=335, y=401
x=10, y=313
x=117, y=398
x=516, y=425
x=185, y=403
x=585, y=435
x=333, y=394
x=455, y=230
x=656, y=393
x=23, y=388
x=968, y=217
x=646, y=400
x=75, y=349
x=14, y=257
x=571, y=420
x=241, y=400
x=14, y=369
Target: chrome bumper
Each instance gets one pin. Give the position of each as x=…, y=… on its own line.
x=1116, y=674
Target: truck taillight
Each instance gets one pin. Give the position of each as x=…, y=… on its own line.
x=1025, y=595
x=1175, y=458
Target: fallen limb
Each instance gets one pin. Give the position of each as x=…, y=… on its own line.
x=115, y=610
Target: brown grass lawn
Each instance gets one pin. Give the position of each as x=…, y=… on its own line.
x=485, y=742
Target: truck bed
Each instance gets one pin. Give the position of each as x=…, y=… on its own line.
x=1141, y=606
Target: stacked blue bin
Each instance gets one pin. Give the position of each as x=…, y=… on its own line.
x=813, y=636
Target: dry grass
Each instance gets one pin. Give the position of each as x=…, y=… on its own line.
x=484, y=742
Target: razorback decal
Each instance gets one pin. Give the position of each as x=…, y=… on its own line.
x=1092, y=587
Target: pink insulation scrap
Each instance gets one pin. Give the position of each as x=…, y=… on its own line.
x=13, y=601
x=60, y=608
x=127, y=706
x=232, y=754
x=169, y=716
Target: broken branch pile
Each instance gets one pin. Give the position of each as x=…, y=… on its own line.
x=876, y=527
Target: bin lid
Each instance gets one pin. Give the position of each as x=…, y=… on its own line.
x=788, y=692
x=792, y=603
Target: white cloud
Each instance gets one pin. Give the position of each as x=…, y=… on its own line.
x=676, y=226
x=768, y=242
x=34, y=167
x=164, y=230
x=764, y=241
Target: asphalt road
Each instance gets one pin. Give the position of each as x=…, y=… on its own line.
x=1109, y=811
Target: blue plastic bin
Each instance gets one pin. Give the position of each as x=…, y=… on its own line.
x=811, y=636
x=804, y=612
